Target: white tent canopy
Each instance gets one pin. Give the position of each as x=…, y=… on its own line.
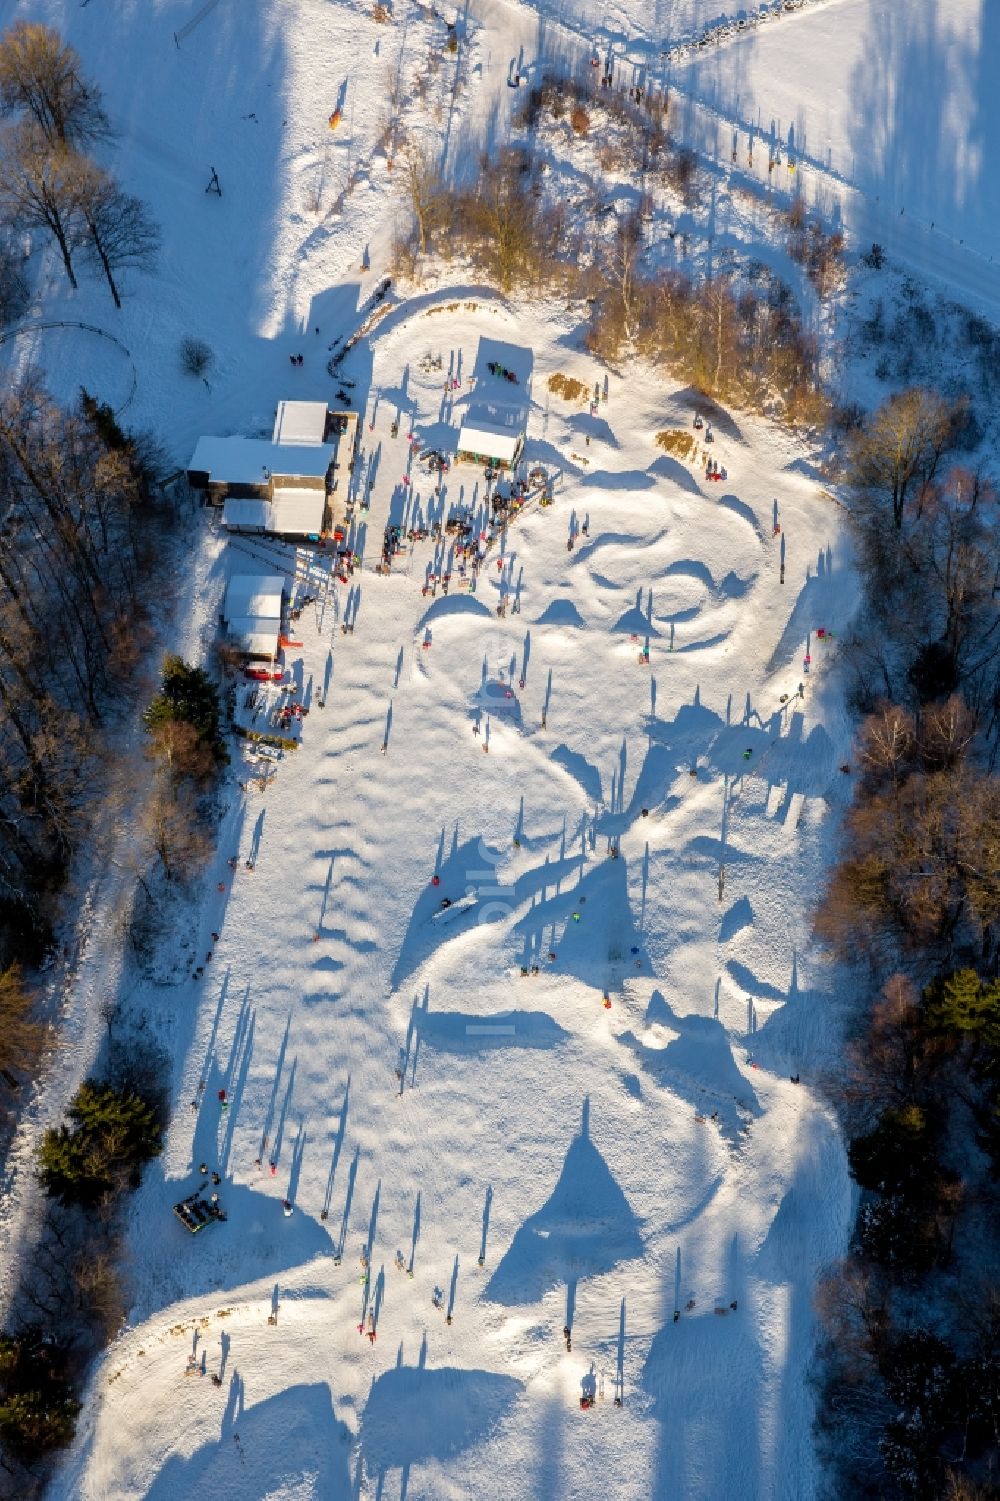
x=298, y=512
x=252, y=612
x=490, y=441
x=257, y=638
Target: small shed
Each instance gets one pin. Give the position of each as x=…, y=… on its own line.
x=495, y=443
x=300, y=422
x=252, y=613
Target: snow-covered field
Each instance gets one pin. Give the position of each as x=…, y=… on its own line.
x=612, y=1165
x=889, y=115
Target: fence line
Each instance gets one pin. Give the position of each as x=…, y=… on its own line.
x=196, y=20
x=27, y=328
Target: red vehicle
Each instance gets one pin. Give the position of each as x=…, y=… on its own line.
x=263, y=674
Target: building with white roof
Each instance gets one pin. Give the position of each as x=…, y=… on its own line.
x=300, y=422
x=252, y=612
x=252, y=463
x=483, y=442
x=280, y=486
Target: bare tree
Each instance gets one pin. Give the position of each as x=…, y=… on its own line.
x=955, y=554
x=120, y=231
x=99, y=1286
x=392, y=95
x=423, y=184
x=13, y=287
x=947, y=734
x=680, y=169
x=507, y=218
x=178, y=745
x=625, y=258
x=891, y=1063
x=897, y=453
x=712, y=339
x=39, y=188
x=888, y=740
x=852, y=1304
x=921, y=865
x=171, y=823
x=40, y=76
x=21, y=1037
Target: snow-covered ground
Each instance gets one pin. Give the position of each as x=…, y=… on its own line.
x=611, y=1165
x=889, y=117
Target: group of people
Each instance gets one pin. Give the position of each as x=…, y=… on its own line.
x=346, y=563
x=473, y=537
x=195, y=1213
x=288, y=713
x=392, y=545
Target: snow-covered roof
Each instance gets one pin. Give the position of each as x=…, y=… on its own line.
x=292, y=512
x=258, y=638
x=490, y=440
x=247, y=515
x=254, y=594
x=245, y=627
x=300, y=422
x=297, y=511
x=251, y=461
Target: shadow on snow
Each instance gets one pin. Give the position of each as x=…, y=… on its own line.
x=586, y=1227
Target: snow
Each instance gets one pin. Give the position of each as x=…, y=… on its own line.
x=247, y=515
x=251, y=461
x=633, y=1158
x=254, y=594
x=900, y=111
x=664, y=835
x=297, y=512
x=497, y=697
x=300, y=422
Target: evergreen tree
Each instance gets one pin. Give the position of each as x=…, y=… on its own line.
x=962, y=1002
x=34, y=1422
x=112, y=1135
x=188, y=696
x=102, y=419
x=37, y=1407
x=890, y=1158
